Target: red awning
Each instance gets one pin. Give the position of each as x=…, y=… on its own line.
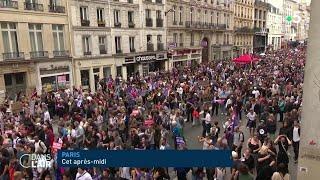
x=245, y=59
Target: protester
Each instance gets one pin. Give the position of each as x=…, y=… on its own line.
x=152, y=112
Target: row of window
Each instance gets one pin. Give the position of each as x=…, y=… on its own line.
x=259, y=14
x=178, y=17
x=87, y=41
x=34, y=5
x=84, y=16
x=11, y=42
x=243, y=12
x=226, y=39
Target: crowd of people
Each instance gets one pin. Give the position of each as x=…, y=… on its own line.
x=151, y=112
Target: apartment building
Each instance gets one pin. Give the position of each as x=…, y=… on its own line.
x=275, y=25
x=304, y=23
x=290, y=27
x=243, y=26
x=260, y=26
x=34, y=47
x=116, y=38
x=198, y=31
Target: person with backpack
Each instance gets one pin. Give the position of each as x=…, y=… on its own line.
x=39, y=146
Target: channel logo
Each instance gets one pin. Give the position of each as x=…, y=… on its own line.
x=296, y=18
x=36, y=161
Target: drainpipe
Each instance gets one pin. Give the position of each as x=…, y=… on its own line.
x=73, y=66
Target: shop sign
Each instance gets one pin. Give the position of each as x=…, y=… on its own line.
x=172, y=45
x=144, y=58
x=129, y=60
x=54, y=70
x=161, y=56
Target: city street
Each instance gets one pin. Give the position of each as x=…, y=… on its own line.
x=191, y=134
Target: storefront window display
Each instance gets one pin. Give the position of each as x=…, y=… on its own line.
x=85, y=79
x=54, y=83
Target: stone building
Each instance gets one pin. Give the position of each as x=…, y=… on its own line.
x=34, y=47
x=260, y=26
x=198, y=31
x=243, y=26
x=117, y=38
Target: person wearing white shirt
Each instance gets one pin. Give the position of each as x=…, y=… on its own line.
x=83, y=175
x=125, y=173
x=251, y=121
x=296, y=140
x=256, y=92
x=206, y=124
x=46, y=115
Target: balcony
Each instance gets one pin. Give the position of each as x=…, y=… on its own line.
x=39, y=54
x=131, y=24
x=87, y=53
x=260, y=3
x=181, y=23
x=9, y=4
x=103, y=51
x=150, y=47
x=117, y=24
x=118, y=51
x=85, y=22
x=245, y=30
x=200, y=25
x=61, y=53
x=159, y=1
x=13, y=55
x=149, y=22
x=159, y=22
x=132, y=50
x=57, y=9
x=160, y=47
x=260, y=30
x=101, y=23
x=174, y=23
x=33, y=6
x=221, y=27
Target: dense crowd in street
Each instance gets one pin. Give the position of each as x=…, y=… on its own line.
x=151, y=112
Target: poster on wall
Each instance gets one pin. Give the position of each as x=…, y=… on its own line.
x=62, y=79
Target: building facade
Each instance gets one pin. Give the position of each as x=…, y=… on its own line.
x=290, y=16
x=275, y=26
x=243, y=26
x=303, y=24
x=34, y=46
x=260, y=26
x=116, y=38
x=198, y=31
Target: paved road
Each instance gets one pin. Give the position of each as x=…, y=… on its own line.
x=191, y=134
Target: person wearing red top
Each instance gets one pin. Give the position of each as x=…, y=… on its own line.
x=196, y=116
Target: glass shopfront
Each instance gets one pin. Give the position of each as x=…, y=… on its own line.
x=85, y=78
x=54, y=83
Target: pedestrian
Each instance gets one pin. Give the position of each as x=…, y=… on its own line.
x=281, y=173
x=296, y=140
x=251, y=124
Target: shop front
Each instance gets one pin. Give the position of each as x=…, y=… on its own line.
x=88, y=73
x=54, y=76
x=16, y=77
x=185, y=57
x=145, y=64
